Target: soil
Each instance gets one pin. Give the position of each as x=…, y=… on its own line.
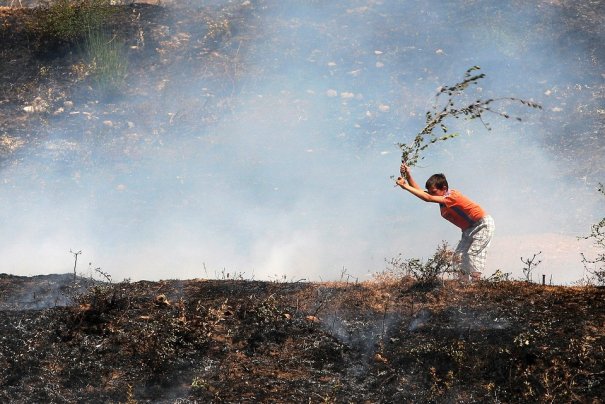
x=49, y=89
x=199, y=340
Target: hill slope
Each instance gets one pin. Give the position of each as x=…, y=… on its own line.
x=248, y=341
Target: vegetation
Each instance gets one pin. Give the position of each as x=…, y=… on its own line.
x=596, y=266
x=451, y=108
x=424, y=273
x=69, y=21
x=238, y=341
x=107, y=61
x=530, y=265
x=82, y=27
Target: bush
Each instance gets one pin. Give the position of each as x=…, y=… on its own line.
x=68, y=21
x=83, y=23
x=425, y=273
x=596, y=266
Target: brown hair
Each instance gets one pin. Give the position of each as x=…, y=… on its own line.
x=438, y=181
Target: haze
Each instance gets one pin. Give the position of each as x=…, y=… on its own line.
x=295, y=181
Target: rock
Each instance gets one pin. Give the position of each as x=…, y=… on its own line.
x=40, y=105
x=37, y=105
x=162, y=300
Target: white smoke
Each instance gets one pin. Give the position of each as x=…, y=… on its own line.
x=295, y=180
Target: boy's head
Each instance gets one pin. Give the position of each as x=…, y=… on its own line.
x=437, y=185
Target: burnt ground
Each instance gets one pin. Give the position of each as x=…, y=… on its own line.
x=248, y=341
x=52, y=78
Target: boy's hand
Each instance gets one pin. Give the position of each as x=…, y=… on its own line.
x=401, y=182
x=404, y=170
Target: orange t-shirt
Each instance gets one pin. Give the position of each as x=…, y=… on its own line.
x=460, y=210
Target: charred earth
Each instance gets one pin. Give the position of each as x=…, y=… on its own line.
x=248, y=341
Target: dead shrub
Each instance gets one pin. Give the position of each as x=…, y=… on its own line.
x=596, y=266
x=425, y=273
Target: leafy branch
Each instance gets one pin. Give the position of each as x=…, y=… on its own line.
x=450, y=109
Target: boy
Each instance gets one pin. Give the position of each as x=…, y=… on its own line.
x=477, y=227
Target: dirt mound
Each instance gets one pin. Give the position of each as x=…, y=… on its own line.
x=247, y=341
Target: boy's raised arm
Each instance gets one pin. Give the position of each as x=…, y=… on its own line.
x=406, y=173
x=425, y=196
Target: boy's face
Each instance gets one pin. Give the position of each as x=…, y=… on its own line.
x=436, y=192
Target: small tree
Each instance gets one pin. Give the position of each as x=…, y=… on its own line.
x=530, y=265
x=596, y=266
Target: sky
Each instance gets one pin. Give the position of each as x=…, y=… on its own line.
x=295, y=181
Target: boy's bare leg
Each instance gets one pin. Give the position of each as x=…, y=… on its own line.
x=457, y=264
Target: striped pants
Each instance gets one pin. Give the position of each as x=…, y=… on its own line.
x=471, y=251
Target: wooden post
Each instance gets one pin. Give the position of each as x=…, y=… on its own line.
x=543, y=280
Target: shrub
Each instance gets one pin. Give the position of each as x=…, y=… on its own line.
x=530, y=266
x=596, y=266
x=425, y=273
x=70, y=20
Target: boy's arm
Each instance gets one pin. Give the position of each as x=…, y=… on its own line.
x=407, y=174
x=425, y=196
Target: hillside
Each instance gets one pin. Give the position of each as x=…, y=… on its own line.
x=220, y=117
x=247, y=341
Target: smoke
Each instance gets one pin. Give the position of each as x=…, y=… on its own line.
x=292, y=178
x=41, y=292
